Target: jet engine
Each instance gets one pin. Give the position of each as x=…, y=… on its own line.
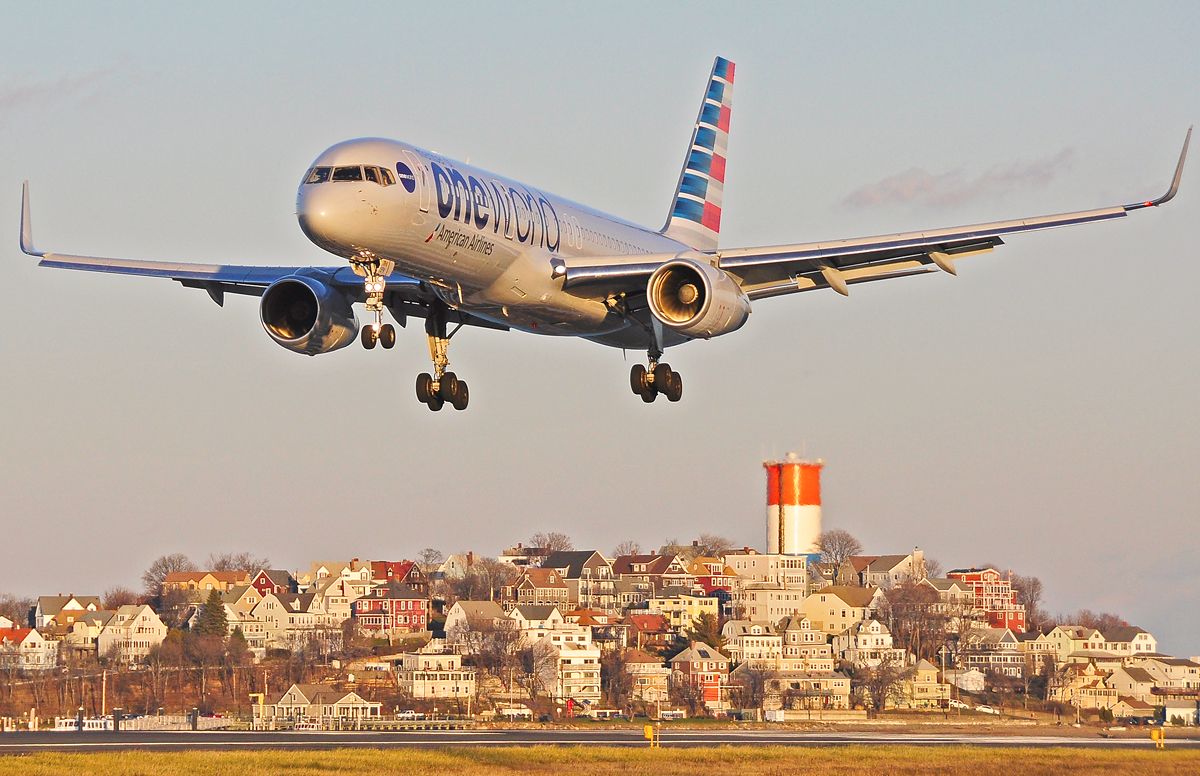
x=696, y=299
x=305, y=315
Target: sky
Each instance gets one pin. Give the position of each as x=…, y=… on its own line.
x=1038, y=411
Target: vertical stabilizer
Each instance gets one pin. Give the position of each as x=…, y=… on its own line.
x=695, y=217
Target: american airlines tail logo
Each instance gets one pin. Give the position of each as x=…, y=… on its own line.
x=515, y=212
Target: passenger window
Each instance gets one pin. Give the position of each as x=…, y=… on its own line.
x=347, y=174
x=388, y=178
x=317, y=175
x=372, y=174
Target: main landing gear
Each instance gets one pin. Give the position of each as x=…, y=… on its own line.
x=657, y=378
x=374, y=272
x=435, y=390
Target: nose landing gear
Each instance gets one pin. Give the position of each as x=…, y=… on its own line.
x=442, y=386
x=374, y=272
x=657, y=378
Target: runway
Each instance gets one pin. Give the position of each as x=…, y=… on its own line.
x=27, y=742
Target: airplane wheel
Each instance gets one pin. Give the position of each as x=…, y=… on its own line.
x=424, y=387
x=461, y=396
x=674, y=390
x=387, y=335
x=435, y=403
x=637, y=378
x=662, y=377
x=649, y=395
x=368, y=337
x=448, y=386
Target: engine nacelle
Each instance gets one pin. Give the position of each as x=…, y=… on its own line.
x=696, y=299
x=304, y=315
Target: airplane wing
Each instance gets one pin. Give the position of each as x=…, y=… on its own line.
x=405, y=295
x=785, y=269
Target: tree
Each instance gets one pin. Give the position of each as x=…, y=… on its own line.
x=172, y=605
x=553, y=541
x=711, y=545
x=1101, y=621
x=753, y=680
x=934, y=568
x=211, y=620
x=16, y=609
x=881, y=683
x=836, y=547
x=627, y=547
x=1029, y=593
x=237, y=561
x=914, y=615
x=683, y=692
x=706, y=628
x=430, y=558
x=153, y=578
x=615, y=679
x=483, y=580
x=118, y=596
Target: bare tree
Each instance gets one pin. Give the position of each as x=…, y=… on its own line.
x=16, y=609
x=712, y=545
x=684, y=692
x=880, y=684
x=753, y=681
x=430, y=559
x=914, y=614
x=1101, y=621
x=1029, y=593
x=553, y=541
x=483, y=580
x=836, y=547
x=537, y=663
x=244, y=562
x=627, y=547
x=934, y=568
x=152, y=579
x=118, y=596
x=615, y=680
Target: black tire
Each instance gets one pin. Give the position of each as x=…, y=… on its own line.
x=674, y=391
x=387, y=336
x=435, y=403
x=424, y=387
x=649, y=395
x=368, y=337
x=461, y=396
x=662, y=377
x=637, y=378
x=448, y=386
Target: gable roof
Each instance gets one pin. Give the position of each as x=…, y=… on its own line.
x=322, y=694
x=641, y=656
x=655, y=564
x=885, y=563
x=1121, y=634
x=649, y=623
x=698, y=651
x=1139, y=675
x=14, y=635
x=853, y=596
x=280, y=577
x=540, y=612
x=296, y=602
x=395, y=590
x=540, y=577
x=572, y=561
x=53, y=604
x=480, y=610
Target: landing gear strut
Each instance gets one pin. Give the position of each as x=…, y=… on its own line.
x=442, y=386
x=374, y=272
x=657, y=378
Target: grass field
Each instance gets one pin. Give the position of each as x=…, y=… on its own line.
x=601, y=761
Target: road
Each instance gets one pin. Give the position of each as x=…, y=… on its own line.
x=26, y=742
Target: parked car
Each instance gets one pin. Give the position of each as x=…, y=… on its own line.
x=959, y=704
x=408, y=714
x=986, y=709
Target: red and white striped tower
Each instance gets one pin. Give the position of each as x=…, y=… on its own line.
x=793, y=505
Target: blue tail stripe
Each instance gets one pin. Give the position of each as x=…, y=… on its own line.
x=706, y=137
x=722, y=68
x=699, y=161
x=694, y=185
x=716, y=91
x=689, y=209
x=711, y=113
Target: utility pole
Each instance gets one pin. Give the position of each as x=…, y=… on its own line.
x=103, y=692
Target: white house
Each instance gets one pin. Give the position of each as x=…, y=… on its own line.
x=130, y=634
x=24, y=649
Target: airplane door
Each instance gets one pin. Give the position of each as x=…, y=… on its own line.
x=421, y=173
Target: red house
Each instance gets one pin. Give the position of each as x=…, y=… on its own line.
x=994, y=597
x=275, y=581
x=704, y=667
x=390, y=609
x=404, y=571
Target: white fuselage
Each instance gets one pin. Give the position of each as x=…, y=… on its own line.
x=482, y=240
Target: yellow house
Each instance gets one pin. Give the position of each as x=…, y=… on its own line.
x=837, y=607
x=683, y=610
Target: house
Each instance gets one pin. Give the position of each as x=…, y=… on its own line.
x=25, y=649
x=356, y=578
x=888, y=571
x=1082, y=685
x=318, y=703
x=868, y=643
x=541, y=587
x=649, y=631
x=198, y=584
x=835, y=608
x=682, y=609
x=536, y=617
x=425, y=675
x=522, y=557
x=608, y=630
x=1132, y=707
x=469, y=622
x=1064, y=640
x=1170, y=672
x=806, y=690
x=130, y=634
x=651, y=676
x=1132, y=682
x=576, y=672
x=61, y=610
x=588, y=575
x=703, y=668
x=5, y=623
x=652, y=573
x=805, y=648
x=752, y=642
x=712, y=574
x=766, y=587
x=922, y=690
x=391, y=609
x=276, y=581
x=406, y=572
x=766, y=602
x=1129, y=640
x=995, y=599
x=966, y=679
x=455, y=566
x=296, y=620
x=80, y=639
x=992, y=650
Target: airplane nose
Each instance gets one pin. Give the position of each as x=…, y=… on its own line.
x=334, y=216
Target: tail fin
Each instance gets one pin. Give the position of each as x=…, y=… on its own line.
x=695, y=218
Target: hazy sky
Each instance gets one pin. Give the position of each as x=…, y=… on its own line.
x=1038, y=411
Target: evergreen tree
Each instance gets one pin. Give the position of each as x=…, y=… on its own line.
x=211, y=620
x=706, y=628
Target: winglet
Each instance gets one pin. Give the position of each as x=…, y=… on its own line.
x=1171, y=192
x=26, y=227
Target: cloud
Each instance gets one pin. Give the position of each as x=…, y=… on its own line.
x=15, y=97
x=919, y=187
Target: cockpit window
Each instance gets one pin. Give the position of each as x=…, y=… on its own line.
x=388, y=178
x=317, y=175
x=372, y=174
x=347, y=174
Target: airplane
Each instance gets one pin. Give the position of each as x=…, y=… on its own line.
x=429, y=237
